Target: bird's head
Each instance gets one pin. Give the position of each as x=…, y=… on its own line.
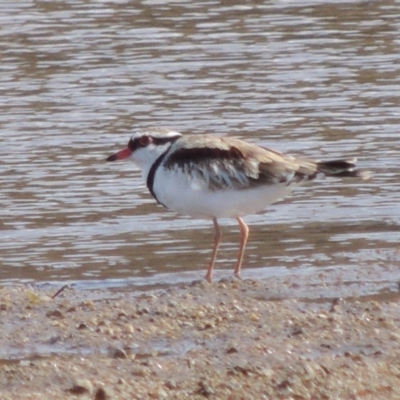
x=145, y=147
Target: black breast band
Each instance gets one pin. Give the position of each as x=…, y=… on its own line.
x=152, y=173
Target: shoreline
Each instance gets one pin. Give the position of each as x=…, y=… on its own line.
x=231, y=339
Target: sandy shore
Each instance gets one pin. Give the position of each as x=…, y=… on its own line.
x=226, y=340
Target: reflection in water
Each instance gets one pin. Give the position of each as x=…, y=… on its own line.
x=77, y=78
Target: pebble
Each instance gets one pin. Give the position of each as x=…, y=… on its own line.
x=81, y=386
x=102, y=394
x=203, y=342
x=118, y=353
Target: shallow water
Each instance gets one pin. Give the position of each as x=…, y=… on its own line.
x=317, y=79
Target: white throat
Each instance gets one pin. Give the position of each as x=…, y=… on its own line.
x=145, y=157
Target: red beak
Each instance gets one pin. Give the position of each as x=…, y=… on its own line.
x=125, y=153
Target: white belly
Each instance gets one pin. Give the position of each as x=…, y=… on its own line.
x=192, y=198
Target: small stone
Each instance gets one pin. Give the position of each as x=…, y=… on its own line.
x=238, y=308
x=254, y=317
x=173, y=303
x=118, y=353
x=225, y=281
x=199, y=314
x=24, y=363
x=139, y=371
x=143, y=310
x=199, y=282
x=204, y=389
x=81, y=386
x=297, y=331
x=88, y=304
x=232, y=350
x=55, y=314
x=122, y=314
x=158, y=394
x=208, y=325
x=336, y=304
x=129, y=328
x=394, y=336
x=54, y=339
x=102, y=394
x=108, y=331
x=171, y=385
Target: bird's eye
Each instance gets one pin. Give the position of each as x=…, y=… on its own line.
x=144, y=140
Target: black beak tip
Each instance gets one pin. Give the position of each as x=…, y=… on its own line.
x=111, y=158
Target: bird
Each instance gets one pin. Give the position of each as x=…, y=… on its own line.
x=210, y=177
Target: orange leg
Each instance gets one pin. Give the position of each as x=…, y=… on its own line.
x=244, y=235
x=217, y=241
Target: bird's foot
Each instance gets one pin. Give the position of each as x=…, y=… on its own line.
x=237, y=276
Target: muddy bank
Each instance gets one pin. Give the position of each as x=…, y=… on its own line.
x=228, y=340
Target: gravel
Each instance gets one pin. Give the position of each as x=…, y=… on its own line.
x=227, y=340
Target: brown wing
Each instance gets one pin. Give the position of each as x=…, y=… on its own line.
x=233, y=163
x=275, y=167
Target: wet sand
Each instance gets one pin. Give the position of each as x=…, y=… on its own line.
x=231, y=339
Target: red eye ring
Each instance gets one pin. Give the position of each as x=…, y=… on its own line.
x=144, y=140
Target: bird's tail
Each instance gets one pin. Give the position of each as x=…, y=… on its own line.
x=342, y=168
